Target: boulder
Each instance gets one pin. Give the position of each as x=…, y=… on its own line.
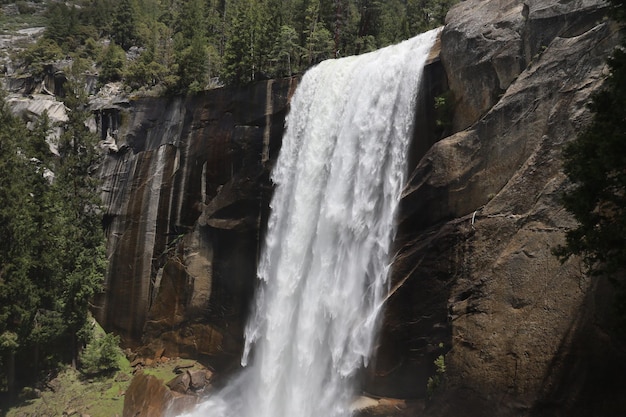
x=148, y=396
x=180, y=383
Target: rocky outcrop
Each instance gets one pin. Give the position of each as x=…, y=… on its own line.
x=148, y=396
x=186, y=188
x=477, y=280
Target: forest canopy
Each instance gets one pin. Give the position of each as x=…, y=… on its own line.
x=190, y=45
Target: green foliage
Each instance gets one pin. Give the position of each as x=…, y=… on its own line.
x=242, y=47
x=9, y=342
x=195, y=58
x=437, y=380
x=192, y=66
x=124, y=24
x=92, y=49
x=285, y=53
x=52, y=253
x=595, y=162
x=392, y=23
x=64, y=26
x=423, y=15
x=444, y=112
x=112, y=64
x=192, y=45
x=101, y=355
x=24, y=8
x=319, y=45
x=36, y=55
x=141, y=74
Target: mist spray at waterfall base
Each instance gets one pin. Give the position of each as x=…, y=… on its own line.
x=323, y=270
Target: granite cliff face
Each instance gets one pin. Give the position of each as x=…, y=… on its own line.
x=187, y=192
x=186, y=188
x=521, y=333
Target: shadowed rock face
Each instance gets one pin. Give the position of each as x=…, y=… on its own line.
x=185, y=188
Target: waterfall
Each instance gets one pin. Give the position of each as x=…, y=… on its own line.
x=323, y=270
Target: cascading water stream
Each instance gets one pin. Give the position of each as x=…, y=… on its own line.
x=324, y=267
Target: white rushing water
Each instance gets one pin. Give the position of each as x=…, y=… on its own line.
x=324, y=267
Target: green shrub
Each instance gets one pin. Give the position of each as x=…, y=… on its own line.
x=101, y=355
x=112, y=64
x=436, y=380
x=44, y=51
x=444, y=112
x=24, y=8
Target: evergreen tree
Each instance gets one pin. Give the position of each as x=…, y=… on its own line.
x=38, y=54
x=52, y=251
x=191, y=21
x=286, y=53
x=423, y=15
x=595, y=163
x=18, y=297
x=124, y=24
x=63, y=25
x=98, y=15
x=319, y=44
x=242, y=47
x=195, y=60
x=193, y=66
x=83, y=244
x=392, y=23
x=112, y=64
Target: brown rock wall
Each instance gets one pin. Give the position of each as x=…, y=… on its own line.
x=481, y=213
x=185, y=185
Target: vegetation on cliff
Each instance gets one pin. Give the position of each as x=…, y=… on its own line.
x=596, y=164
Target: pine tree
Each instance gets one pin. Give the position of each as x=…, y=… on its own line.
x=242, y=47
x=193, y=66
x=112, y=64
x=83, y=244
x=595, y=163
x=286, y=53
x=319, y=44
x=18, y=298
x=52, y=252
x=124, y=24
